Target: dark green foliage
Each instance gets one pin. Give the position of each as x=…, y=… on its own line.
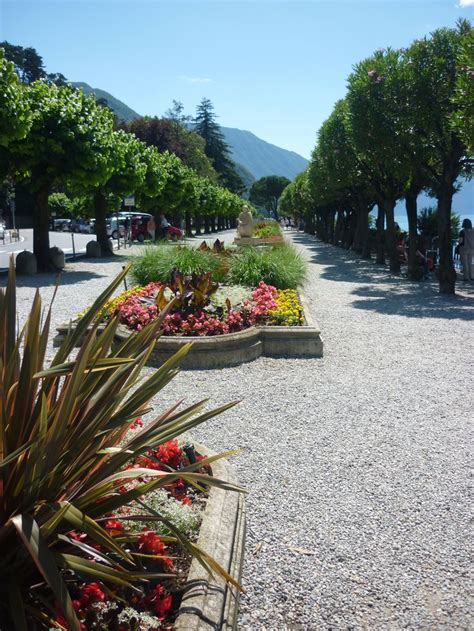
x=29, y=64
x=170, y=135
x=216, y=148
x=266, y=192
x=428, y=224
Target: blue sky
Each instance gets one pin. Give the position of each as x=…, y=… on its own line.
x=270, y=66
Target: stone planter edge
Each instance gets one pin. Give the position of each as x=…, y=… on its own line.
x=208, y=602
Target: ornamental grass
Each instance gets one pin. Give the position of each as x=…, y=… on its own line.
x=280, y=265
x=157, y=263
x=64, y=451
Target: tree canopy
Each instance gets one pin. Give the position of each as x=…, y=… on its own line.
x=266, y=192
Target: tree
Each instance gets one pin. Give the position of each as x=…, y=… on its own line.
x=170, y=135
x=266, y=192
x=176, y=114
x=29, y=64
x=377, y=100
x=15, y=117
x=127, y=162
x=463, y=114
x=66, y=144
x=432, y=79
x=216, y=148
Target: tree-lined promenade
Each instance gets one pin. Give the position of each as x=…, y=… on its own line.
x=405, y=126
x=54, y=137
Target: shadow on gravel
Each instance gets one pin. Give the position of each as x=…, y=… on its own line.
x=383, y=293
x=68, y=277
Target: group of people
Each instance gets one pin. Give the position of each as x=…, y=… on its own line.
x=286, y=223
x=465, y=249
x=425, y=262
x=165, y=229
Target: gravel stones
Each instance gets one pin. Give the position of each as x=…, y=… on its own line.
x=356, y=463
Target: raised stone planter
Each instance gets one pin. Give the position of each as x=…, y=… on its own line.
x=233, y=349
x=208, y=602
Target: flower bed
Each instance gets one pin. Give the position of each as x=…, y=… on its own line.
x=263, y=321
x=265, y=305
x=151, y=605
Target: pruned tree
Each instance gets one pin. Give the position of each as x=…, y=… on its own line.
x=266, y=192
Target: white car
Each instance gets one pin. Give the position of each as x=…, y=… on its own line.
x=88, y=227
x=112, y=227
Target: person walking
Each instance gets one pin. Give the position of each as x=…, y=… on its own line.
x=466, y=249
x=151, y=227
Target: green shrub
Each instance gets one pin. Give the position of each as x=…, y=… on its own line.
x=281, y=265
x=157, y=262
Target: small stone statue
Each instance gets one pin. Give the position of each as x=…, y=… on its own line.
x=245, y=225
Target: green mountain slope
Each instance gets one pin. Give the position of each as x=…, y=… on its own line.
x=121, y=110
x=260, y=157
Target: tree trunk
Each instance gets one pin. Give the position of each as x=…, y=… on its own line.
x=331, y=226
x=364, y=232
x=380, y=247
x=389, y=207
x=338, y=231
x=197, y=225
x=206, y=225
x=350, y=229
x=100, y=209
x=187, y=224
x=41, y=230
x=415, y=271
x=446, y=271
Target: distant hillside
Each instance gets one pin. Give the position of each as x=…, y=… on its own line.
x=255, y=157
x=121, y=110
x=260, y=157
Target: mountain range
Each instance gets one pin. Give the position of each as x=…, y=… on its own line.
x=254, y=157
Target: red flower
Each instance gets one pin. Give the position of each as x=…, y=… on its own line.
x=115, y=527
x=160, y=601
x=150, y=543
x=136, y=423
x=90, y=593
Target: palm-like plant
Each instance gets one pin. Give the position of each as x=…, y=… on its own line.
x=63, y=448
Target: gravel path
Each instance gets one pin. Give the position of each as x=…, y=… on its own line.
x=357, y=463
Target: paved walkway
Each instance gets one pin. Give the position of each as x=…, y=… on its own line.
x=357, y=463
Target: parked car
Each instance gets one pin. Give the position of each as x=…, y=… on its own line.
x=114, y=227
x=61, y=225
x=88, y=227
x=139, y=228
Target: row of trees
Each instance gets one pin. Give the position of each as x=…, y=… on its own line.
x=54, y=137
x=404, y=127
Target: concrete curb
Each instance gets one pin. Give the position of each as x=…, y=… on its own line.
x=208, y=602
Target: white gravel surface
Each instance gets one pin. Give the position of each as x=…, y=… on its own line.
x=357, y=463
